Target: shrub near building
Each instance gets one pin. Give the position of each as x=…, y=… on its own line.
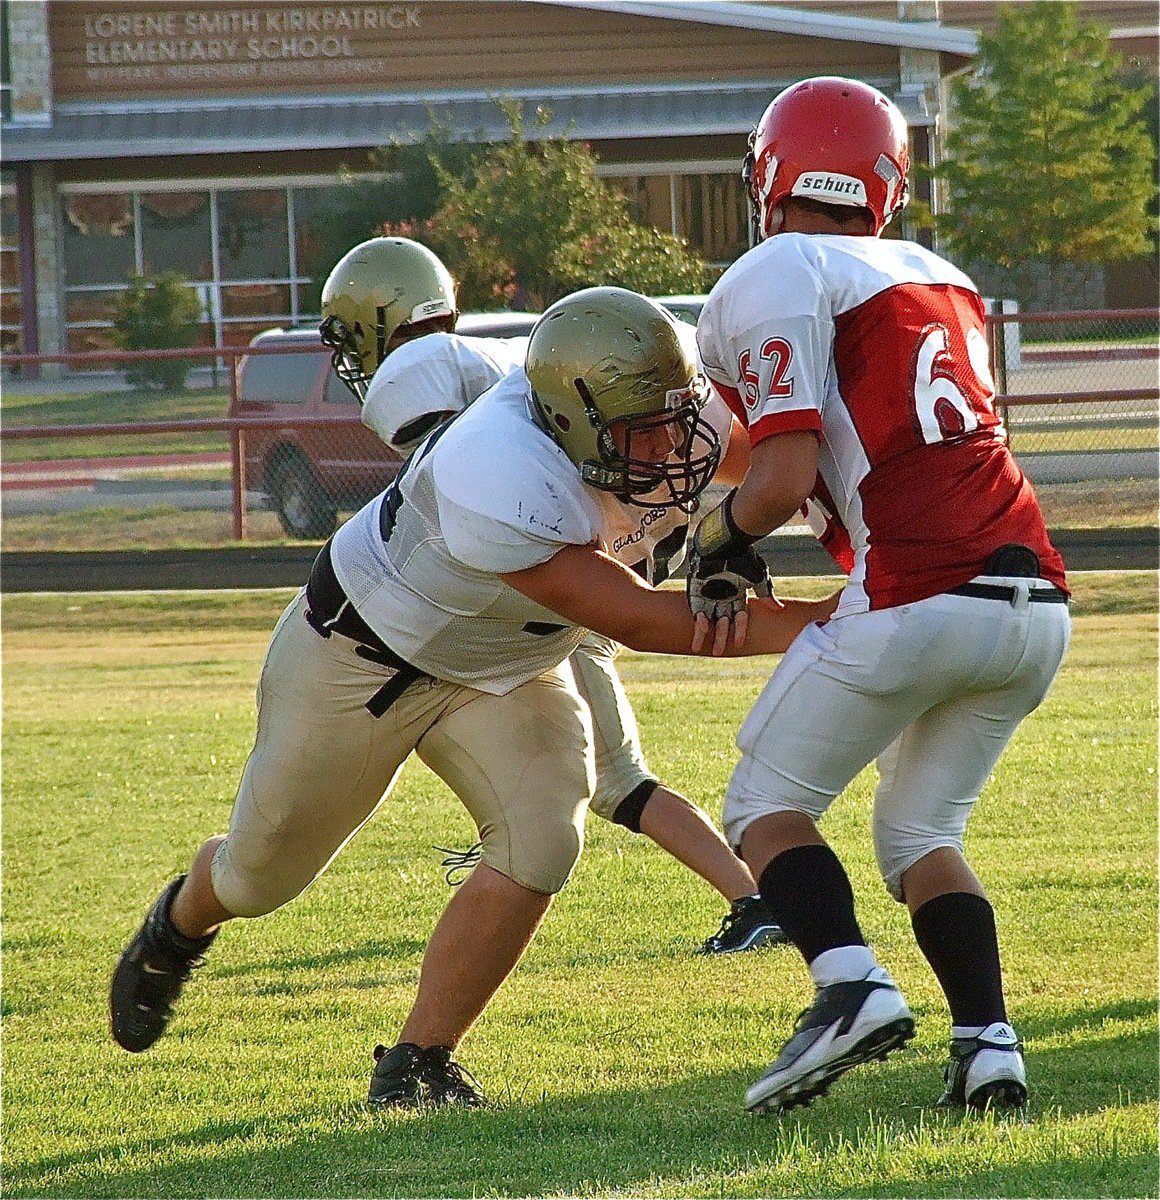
x=532, y=221
x=157, y=312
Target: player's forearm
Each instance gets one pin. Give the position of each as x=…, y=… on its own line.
x=773, y=624
x=759, y=514
x=666, y=625
x=655, y=622
x=781, y=475
x=588, y=588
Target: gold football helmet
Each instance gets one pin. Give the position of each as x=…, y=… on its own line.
x=380, y=294
x=616, y=389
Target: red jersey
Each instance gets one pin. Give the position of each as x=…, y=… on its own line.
x=879, y=348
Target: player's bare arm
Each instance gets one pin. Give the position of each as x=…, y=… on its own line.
x=735, y=458
x=724, y=566
x=782, y=470
x=589, y=588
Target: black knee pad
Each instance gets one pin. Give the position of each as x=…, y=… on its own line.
x=629, y=810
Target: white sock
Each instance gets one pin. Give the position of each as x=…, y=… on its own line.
x=973, y=1031
x=841, y=964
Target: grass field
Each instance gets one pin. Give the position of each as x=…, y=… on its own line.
x=616, y=1058
x=112, y=408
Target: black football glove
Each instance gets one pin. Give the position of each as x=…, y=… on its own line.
x=723, y=566
x=718, y=587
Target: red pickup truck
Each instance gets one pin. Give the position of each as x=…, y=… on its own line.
x=315, y=467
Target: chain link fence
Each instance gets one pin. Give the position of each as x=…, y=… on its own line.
x=1078, y=395
x=278, y=454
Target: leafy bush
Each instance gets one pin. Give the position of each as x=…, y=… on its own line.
x=531, y=221
x=157, y=312
x=629, y=255
x=519, y=223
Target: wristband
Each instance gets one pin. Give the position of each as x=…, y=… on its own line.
x=718, y=535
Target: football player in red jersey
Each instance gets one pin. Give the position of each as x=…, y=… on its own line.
x=859, y=366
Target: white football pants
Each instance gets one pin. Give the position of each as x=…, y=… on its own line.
x=933, y=689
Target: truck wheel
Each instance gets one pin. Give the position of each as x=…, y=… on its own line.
x=303, y=506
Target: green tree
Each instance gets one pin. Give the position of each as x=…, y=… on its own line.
x=1142, y=75
x=405, y=188
x=634, y=256
x=485, y=279
x=1049, y=158
x=157, y=312
x=531, y=221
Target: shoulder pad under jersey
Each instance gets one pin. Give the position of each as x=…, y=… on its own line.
x=437, y=373
x=508, y=496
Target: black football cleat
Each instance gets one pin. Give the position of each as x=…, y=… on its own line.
x=410, y=1076
x=748, y=925
x=150, y=974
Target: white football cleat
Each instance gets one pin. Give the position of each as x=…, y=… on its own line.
x=986, y=1071
x=849, y=1023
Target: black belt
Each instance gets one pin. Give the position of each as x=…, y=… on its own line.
x=997, y=591
x=1014, y=561
x=329, y=610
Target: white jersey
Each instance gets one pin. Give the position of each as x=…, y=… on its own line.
x=440, y=372
x=488, y=493
x=443, y=372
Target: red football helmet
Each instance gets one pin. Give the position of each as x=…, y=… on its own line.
x=829, y=139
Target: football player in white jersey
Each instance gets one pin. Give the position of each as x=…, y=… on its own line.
x=859, y=366
x=389, y=311
x=440, y=619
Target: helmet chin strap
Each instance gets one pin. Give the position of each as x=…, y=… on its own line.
x=776, y=220
x=541, y=418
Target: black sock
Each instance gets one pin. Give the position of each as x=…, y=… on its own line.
x=809, y=894
x=956, y=933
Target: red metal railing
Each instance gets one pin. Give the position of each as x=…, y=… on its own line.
x=998, y=322
x=236, y=426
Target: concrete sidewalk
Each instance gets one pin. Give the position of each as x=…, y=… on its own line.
x=61, y=473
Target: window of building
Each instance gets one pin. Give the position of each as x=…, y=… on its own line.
x=311, y=208
x=703, y=203
x=100, y=253
x=712, y=213
x=253, y=234
x=176, y=233
x=250, y=300
x=243, y=248
x=11, y=311
x=99, y=238
x=249, y=250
